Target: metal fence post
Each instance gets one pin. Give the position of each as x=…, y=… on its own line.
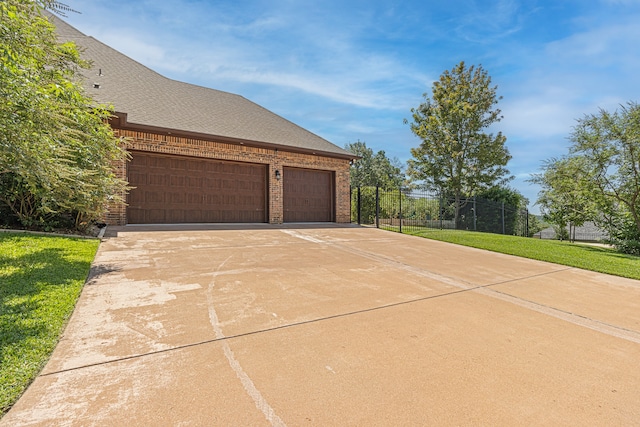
x=359, y=206
x=503, y=229
x=441, y=211
x=400, y=215
x=475, y=216
x=377, y=207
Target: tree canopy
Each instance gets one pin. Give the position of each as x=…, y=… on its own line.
x=499, y=193
x=56, y=149
x=600, y=176
x=456, y=156
x=374, y=169
x=565, y=197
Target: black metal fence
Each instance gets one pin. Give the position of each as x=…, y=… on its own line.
x=411, y=210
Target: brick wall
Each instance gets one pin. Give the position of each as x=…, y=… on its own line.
x=276, y=159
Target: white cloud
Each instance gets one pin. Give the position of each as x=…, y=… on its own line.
x=615, y=43
x=151, y=55
x=537, y=118
x=621, y=2
x=481, y=22
x=273, y=47
x=593, y=68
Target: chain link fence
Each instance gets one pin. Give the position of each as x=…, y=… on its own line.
x=588, y=232
x=411, y=210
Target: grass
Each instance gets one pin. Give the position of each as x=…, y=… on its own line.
x=40, y=281
x=588, y=257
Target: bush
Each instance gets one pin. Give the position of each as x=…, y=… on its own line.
x=626, y=239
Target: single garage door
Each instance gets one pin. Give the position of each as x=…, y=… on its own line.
x=176, y=189
x=308, y=195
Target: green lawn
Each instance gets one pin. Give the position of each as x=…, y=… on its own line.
x=588, y=257
x=40, y=281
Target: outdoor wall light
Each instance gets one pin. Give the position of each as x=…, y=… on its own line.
x=277, y=174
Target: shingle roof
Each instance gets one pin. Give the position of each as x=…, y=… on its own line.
x=151, y=99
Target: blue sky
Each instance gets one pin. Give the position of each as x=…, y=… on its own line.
x=352, y=70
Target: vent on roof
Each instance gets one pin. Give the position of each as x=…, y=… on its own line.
x=96, y=85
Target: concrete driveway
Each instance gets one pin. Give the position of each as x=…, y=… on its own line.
x=342, y=326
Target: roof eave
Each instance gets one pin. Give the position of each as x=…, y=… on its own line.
x=119, y=121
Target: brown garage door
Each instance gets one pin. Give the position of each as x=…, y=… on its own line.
x=176, y=189
x=308, y=195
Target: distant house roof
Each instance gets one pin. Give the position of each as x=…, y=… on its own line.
x=146, y=99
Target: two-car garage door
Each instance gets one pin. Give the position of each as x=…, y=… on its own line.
x=176, y=189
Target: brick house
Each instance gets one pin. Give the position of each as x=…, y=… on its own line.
x=200, y=155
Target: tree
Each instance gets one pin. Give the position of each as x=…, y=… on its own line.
x=507, y=195
x=566, y=196
x=608, y=148
x=502, y=207
x=456, y=156
x=375, y=170
x=535, y=224
x=56, y=148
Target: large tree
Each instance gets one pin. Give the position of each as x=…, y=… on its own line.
x=608, y=148
x=457, y=156
x=56, y=149
x=374, y=169
x=566, y=195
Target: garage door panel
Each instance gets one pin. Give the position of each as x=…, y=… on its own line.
x=156, y=179
x=171, y=189
x=141, y=178
x=175, y=216
x=135, y=216
x=308, y=195
x=154, y=216
x=194, y=182
x=211, y=183
x=179, y=164
x=154, y=197
x=212, y=199
x=156, y=162
x=195, y=166
x=212, y=216
x=177, y=180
